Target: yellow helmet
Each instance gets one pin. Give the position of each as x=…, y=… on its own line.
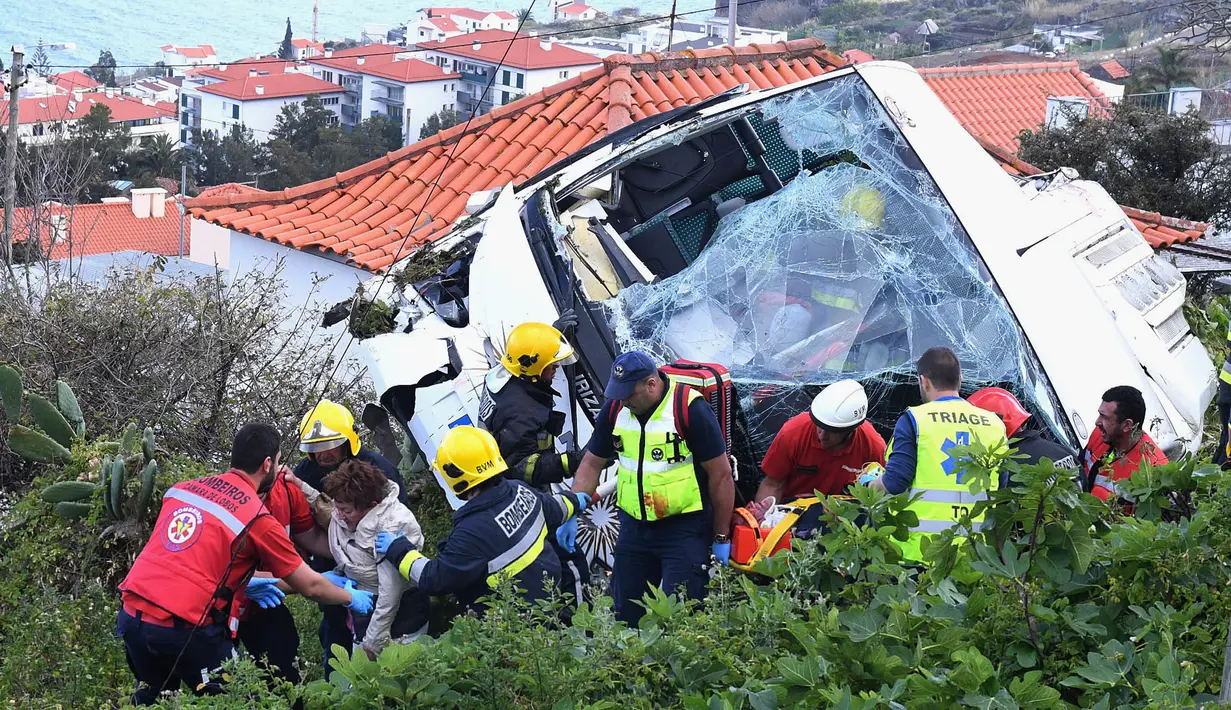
x=328, y=426
x=534, y=346
x=467, y=457
x=867, y=202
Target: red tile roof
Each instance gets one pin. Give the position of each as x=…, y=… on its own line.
x=199, y=52
x=526, y=53
x=575, y=9
x=1115, y=70
x=230, y=188
x=304, y=42
x=372, y=54
x=858, y=56
x=444, y=24
x=242, y=67
x=74, y=79
x=408, y=71
x=103, y=229
x=468, y=13
x=367, y=214
x=996, y=102
x=63, y=107
x=1159, y=230
x=273, y=86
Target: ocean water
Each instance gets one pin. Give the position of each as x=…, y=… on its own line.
x=135, y=29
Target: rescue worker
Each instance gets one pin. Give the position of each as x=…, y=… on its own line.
x=824, y=449
x=268, y=631
x=1118, y=446
x=674, y=485
x=919, y=458
x=179, y=600
x=328, y=438
x=500, y=532
x=518, y=407
x=1224, y=405
x=1029, y=443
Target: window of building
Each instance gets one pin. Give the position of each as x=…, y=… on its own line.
x=504, y=97
x=564, y=74
x=327, y=76
x=521, y=81
x=235, y=111
x=508, y=78
x=184, y=118
x=184, y=99
x=183, y=135
x=38, y=130
x=333, y=119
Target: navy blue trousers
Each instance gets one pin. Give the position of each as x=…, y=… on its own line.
x=152, y=651
x=673, y=554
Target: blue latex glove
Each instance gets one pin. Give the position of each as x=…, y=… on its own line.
x=338, y=580
x=583, y=501
x=264, y=591
x=360, y=601
x=384, y=540
x=566, y=534
x=722, y=552
x=867, y=478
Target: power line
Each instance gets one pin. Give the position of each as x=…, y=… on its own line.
x=402, y=50
x=427, y=200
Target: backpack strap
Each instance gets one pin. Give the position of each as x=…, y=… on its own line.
x=684, y=396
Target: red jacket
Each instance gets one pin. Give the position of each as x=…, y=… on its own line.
x=1102, y=474
x=198, y=557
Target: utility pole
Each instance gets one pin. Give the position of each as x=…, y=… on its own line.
x=316, y=8
x=10, y=155
x=732, y=9
x=183, y=194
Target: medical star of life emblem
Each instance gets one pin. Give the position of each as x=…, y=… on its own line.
x=183, y=529
x=618, y=371
x=949, y=464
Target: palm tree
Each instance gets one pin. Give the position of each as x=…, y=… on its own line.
x=524, y=15
x=158, y=157
x=1171, y=69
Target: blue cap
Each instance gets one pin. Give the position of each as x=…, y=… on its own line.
x=627, y=370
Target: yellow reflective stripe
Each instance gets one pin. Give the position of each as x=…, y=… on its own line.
x=566, y=505
x=828, y=299
x=521, y=563
x=407, y=566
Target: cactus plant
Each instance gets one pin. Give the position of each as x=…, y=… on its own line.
x=147, y=444
x=66, y=401
x=10, y=392
x=104, y=482
x=36, y=446
x=49, y=419
x=70, y=510
x=148, y=476
x=130, y=440
x=118, y=476
x=68, y=491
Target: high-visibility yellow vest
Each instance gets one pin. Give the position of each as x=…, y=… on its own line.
x=655, y=474
x=940, y=426
x=1225, y=375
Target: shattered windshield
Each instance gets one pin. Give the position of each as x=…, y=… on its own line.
x=852, y=269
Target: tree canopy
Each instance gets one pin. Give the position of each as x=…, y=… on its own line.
x=103, y=71
x=1144, y=158
x=437, y=122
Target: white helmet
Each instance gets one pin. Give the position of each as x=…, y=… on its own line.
x=842, y=405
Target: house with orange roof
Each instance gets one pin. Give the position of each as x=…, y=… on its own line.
x=180, y=58
x=574, y=12
x=148, y=221
x=386, y=80
x=253, y=100
x=40, y=119
x=497, y=67
x=74, y=80
x=306, y=48
x=429, y=29
x=468, y=20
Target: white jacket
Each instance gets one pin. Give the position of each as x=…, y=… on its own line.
x=354, y=552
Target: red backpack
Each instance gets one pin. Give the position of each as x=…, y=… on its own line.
x=711, y=381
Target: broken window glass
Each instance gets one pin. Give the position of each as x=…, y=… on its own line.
x=852, y=269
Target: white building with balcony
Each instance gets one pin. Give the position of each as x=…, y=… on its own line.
x=468, y=20
x=253, y=101
x=494, y=74
x=41, y=119
x=384, y=80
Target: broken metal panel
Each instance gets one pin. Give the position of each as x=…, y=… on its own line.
x=853, y=270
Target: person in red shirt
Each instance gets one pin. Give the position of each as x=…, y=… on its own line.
x=1118, y=446
x=181, y=598
x=268, y=632
x=823, y=449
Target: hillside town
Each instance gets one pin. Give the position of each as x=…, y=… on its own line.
x=774, y=354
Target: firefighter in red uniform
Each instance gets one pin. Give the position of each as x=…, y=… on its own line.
x=181, y=597
x=1118, y=446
